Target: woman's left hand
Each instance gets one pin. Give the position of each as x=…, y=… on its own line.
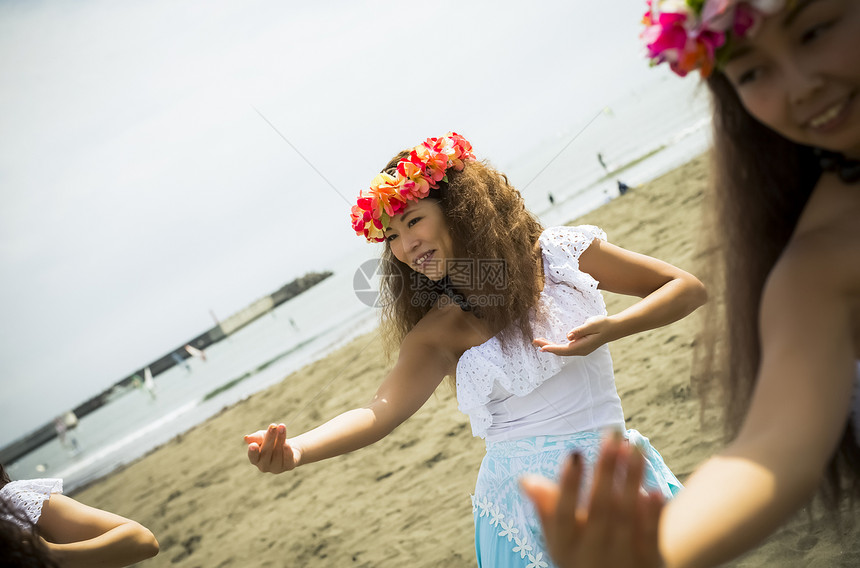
x=582, y=340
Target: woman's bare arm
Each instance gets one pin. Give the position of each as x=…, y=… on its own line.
x=423, y=362
x=668, y=294
x=796, y=418
x=82, y=536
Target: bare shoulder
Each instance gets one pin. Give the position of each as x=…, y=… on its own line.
x=448, y=329
x=824, y=252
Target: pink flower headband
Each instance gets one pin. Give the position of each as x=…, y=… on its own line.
x=693, y=34
x=416, y=175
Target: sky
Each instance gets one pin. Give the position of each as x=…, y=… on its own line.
x=143, y=186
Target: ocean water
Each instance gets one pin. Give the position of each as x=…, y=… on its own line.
x=260, y=354
x=640, y=136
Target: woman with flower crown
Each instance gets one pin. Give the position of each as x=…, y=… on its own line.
x=785, y=80
x=475, y=288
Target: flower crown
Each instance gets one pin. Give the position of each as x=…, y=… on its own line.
x=418, y=173
x=694, y=34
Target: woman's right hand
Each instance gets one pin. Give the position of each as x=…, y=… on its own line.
x=269, y=451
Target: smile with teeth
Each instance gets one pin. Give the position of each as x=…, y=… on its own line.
x=421, y=259
x=828, y=115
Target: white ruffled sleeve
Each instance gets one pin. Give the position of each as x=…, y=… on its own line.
x=562, y=247
x=27, y=496
x=570, y=296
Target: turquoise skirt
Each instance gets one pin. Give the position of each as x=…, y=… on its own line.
x=507, y=530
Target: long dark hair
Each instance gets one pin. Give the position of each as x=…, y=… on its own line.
x=20, y=545
x=4, y=477
x=488, y=220
x=762, y=182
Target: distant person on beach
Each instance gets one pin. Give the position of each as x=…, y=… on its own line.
x=73, y=534
x=551, y=199
x=194, y=352
x=602, y=163
x=515, y=310
x=622, y=187
x=787, y=196
x=179, y=360
x=62, y=425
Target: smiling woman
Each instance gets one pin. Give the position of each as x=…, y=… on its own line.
x=532, y=367
x=486, y=246
x=799, y=75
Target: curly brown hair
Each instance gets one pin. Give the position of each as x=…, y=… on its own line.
x=487, y=219
x=758, y=200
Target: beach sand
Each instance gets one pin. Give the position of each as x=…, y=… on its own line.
x=405, y=500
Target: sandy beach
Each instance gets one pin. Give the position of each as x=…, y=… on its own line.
x=405, y=501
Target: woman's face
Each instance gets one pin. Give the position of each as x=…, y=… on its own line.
x=800, y=74
x=419, y=238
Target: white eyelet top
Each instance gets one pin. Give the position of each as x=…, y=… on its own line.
x=521, y=391
x=28, y=495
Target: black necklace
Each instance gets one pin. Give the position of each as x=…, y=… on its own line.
x=847, y=170
x=445, y=287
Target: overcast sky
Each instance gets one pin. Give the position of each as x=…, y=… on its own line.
x=141, y=188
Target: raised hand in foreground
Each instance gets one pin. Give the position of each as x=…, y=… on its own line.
x=618, y=527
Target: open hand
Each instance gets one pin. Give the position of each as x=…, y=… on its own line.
x=619, y=526
x=582, y=340
x=269, y=450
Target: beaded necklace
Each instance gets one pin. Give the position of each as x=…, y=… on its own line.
x=848, y=170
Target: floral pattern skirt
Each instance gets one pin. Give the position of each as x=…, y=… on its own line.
x=507, y=529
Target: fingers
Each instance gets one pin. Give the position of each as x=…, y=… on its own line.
x=255, y=437
x=547, y=346
x=544, y=494
x=633, y=481
x=254, y=453
x=601, y=507
x=555, y=349
x=571, y=478
x=648, y=523
x=581, y=346
x=277, y=463
x=268, y=443
x=591, y=326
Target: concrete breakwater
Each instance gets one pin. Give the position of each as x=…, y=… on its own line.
x=225, y=328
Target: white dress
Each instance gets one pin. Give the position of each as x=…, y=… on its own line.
x=535, y=408
x=27, y=497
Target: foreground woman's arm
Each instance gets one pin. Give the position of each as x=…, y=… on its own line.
x=423, y=362
x=81, y=536
x=796, y=418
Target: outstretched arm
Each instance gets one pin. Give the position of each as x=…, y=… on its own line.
x=421, y=366
x=796, y=418
x=80, y=535
x=668, y=294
